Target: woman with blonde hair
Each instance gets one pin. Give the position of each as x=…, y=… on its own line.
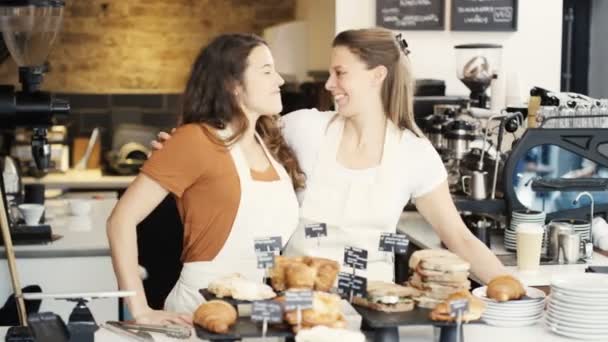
x=365, y=161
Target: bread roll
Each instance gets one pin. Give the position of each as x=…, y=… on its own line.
x=300, y=276
x=504, y=288
x=326, y=273
x=325, y=311
x=216, y=316
x=278, y=273
x=442, y=310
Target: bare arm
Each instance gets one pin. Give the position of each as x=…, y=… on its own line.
x=439, y=210
x=142, y=196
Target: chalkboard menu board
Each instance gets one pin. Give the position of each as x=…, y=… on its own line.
x=484, y=15
x=410, y=14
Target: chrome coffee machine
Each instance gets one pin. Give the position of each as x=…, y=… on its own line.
x=29, y=29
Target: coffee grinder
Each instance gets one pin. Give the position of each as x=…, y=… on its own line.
x=476, y=66
x=29, y=29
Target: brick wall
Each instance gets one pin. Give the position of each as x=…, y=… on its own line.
x=143, y=46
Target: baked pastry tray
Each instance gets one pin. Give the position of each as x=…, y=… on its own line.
x=418, y=316
x=245, y=328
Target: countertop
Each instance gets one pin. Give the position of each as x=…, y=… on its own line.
x=90, y=239
x=81, y=179
x=81, y=235
x=422, y=234
x=472, y=333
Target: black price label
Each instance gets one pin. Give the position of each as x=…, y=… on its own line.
x=315, y=230
x=351, y=284
x=458, y=307
x=344, y=284
x=359, y=286
x=267, y=310
x=269, y=244
x=298, y=299
x=394, y=243
x=355, y=258
x=265, y=259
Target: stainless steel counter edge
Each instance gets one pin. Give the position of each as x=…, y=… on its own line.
x=68, y=253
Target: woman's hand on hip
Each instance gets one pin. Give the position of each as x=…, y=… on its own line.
x=160, y=139
x=163, y=318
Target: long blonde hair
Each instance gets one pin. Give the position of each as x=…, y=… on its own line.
x=377, y=46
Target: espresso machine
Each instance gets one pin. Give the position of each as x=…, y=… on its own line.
x=29, y=29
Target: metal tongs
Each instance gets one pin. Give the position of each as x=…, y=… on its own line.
x=175, y=331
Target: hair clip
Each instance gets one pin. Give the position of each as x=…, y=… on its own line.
x=402, y=44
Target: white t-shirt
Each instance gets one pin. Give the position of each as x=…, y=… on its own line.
x=422, y=167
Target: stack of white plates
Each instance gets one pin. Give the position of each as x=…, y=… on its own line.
x=514, y=313
x=523, y=216
x=580, y=226
x=578, y=307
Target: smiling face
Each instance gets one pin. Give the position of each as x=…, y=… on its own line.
x=352, y=84
x=260, y=92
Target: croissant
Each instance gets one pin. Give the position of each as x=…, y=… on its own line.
x=216, y=316
x=300, y=276
x=326, y=270
x=504, y=288
x=278, y=272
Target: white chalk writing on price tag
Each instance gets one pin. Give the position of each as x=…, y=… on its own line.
x=458, y=307
x=269, y=244
x=355, y=258
x=265, y=259
x=268, y=310
x=315, y=230
x=298, y=299
x=394, y=243
x=348, y=283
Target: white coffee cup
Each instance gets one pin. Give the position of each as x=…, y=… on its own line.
x=31, y=213
x=80, y=207
x=529, y=246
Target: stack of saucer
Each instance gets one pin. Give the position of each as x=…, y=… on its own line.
x=523, y=216
x=514, y=313
x=578, y=306
x=580, y=226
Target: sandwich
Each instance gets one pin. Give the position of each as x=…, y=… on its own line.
x=388, y=297
x=437, y=273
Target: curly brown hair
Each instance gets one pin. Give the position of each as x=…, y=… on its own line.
x=209, y=99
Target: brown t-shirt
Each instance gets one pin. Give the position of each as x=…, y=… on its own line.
x=202, y=176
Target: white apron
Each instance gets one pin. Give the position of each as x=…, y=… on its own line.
x=356, y=210
x=265, y=209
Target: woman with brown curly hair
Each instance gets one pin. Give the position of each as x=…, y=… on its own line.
x=230, y=170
